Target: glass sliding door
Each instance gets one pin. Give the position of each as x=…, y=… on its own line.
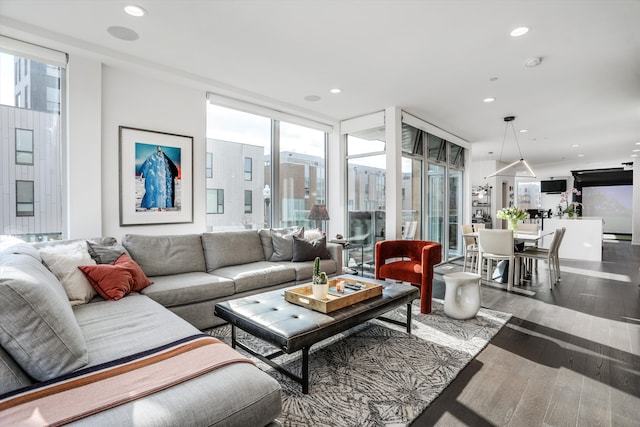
x=411, y=198
x=455, y=213
x=436, y=190
x=366, y=192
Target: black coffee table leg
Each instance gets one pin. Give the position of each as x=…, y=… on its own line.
x=397, y=322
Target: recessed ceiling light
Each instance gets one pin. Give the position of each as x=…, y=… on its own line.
x=636, y=150
x=637, y=143
x=524, y=130
x=490, y=99
x=134, y=10
x=335, y=90
x=580, y=155
x=520, y=31
x=575, y=145
x=634, y=155
x=312, y=98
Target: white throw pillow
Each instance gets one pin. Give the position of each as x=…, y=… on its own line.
x=63, y=262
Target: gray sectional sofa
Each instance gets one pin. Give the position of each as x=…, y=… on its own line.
x=46, y=341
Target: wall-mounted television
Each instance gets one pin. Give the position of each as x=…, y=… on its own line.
x=553, y=186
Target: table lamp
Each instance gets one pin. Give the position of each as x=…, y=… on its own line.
x=319, y=213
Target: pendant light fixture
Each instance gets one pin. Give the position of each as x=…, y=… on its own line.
x=509, y=121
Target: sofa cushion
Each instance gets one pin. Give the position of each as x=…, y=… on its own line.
x=140, y=280
x=257, y=275
x=304, y=250
x=304, y=269
x=115, y=329
x=63, y=261
x=112, y=282
x=36, y=320
x=104, y=254
x=12, y=377
x=188, y=288
x=13, y=245
x=266, y=240
x=282, y=247
x=165, y=255
x=222, y=249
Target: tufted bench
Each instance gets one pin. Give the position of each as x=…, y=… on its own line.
x=292, y=328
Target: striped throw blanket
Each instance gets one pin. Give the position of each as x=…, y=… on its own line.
x=91, y=390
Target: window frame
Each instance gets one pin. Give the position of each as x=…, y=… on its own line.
x=19, y=151
x=248, y=173
x=219, y=205
x=248, y=197
x=21, y=201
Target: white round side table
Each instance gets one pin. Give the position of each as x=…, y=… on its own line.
x=462, y=295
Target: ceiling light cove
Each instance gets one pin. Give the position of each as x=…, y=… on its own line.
x=134, y=10
x=520, y=31
x=335, y=90
x=490, y=99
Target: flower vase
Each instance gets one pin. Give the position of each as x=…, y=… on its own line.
x=513, y=225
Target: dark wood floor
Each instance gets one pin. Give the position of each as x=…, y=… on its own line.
x=568, y=356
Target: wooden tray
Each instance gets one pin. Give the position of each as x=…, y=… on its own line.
x=303, y=295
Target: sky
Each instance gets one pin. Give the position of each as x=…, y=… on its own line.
x=7, y=82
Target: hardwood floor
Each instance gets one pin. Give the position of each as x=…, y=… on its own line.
x=568, y=356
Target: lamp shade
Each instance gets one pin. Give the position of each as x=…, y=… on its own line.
x=319, y=213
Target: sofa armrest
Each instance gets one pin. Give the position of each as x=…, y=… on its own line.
x=335, y=250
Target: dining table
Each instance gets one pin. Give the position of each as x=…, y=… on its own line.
x=520, y=239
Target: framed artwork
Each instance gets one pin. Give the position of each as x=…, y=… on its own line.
x=156, y=177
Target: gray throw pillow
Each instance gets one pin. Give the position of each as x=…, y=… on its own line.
x=103, y=254
x=304, y=250
x=37, y=326
x=283, y=245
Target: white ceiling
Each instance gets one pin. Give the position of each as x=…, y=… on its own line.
x=434, y=59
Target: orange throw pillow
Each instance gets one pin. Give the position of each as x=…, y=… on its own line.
x=112, y=282
x=140, y=280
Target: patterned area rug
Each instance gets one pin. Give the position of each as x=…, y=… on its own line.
x=376, y=374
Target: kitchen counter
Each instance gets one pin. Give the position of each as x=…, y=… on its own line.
x=582, y=240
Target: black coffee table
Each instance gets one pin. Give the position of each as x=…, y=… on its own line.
x=291, y=327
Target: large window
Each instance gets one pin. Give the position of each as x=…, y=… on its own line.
x=30, y=116
x=280, y=163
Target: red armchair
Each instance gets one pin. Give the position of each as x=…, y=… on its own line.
x=415, y=265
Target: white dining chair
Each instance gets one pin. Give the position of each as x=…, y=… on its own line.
x=470, y=248
x=496, y=245
x=529, y=228
x=549, y=255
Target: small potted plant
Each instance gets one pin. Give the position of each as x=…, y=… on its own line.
x=320, y=282
x=571, y=208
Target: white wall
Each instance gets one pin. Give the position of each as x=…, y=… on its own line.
x=135, y=100
x=82, y=158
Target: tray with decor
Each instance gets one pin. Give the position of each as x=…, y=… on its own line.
x=340, y=295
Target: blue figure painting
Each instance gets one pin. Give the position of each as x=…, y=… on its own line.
x=160, y=173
